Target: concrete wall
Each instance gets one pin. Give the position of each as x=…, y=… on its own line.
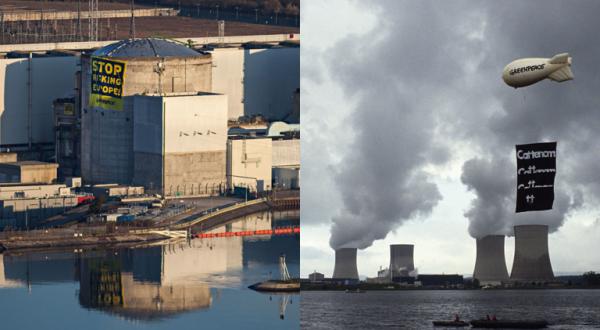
x=180, y=143
x=35, y=172
x=228, y=78
x=116, y=190
x=195, y=123
x=250, y=158
x=532, y=258
x=26, y=212
x=271, y=76
x=196, y=173
x=36, y=15
x=257, y=81
x=52, y=77
x=8, y=157
x=79, y=45
x=490, y=264
x=33, y=191
x=148, y=171
x=286, y=178
x=107, y=135
x=286, y=152
x=345, y=264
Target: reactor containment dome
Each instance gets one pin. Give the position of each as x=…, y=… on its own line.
x=151, y=66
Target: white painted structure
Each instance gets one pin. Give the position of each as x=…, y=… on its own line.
x=286, y=152
x=84, y=45
x=51, y=78
x=179, y=143
x=257, y=81
x=249, y=163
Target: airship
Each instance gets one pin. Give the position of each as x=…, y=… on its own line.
x=527, y=71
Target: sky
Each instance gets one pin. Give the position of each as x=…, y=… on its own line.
x=409, y=131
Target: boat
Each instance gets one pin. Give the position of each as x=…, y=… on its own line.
x=509, y=324
x=355, y=291
x=450, y=324
x=276, y=286
x=285, y=284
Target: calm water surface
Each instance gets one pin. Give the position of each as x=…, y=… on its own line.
x=564, y=309
x=201, y=284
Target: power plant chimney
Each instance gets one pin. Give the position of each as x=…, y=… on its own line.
x=401, y=259
x=532, y=260
x=345, y=264
x=490, y=264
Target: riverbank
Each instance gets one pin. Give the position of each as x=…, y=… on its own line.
x=308, y=286
x=84, y=235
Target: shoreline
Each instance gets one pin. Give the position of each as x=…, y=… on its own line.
x=137, y=235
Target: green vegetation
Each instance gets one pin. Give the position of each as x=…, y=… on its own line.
x=591, y=278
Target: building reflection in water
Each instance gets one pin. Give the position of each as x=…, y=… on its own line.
x=162, y=280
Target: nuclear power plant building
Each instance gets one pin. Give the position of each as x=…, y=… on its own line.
x=153, y=66
x=179, y=143
x=490, y=264
x=532, y=259
x=401, y=260
x=345, y=264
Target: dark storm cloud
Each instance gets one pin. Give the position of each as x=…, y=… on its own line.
x=396, y=76
x=548, y=111
x=430, y=75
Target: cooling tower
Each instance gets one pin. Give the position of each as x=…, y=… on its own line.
x=402, y=259
x=345, y=264
x=490, y=264
x=532, y=260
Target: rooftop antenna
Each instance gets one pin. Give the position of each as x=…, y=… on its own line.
x=79, y=36
x=221, y=31
x=132, y=22
x=93, y=20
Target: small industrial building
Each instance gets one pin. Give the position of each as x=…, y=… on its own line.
x=26, y=205
x=441, y=280
x=8, y=157
x=316, y=277
x=249, y=163
x=115, y=190
x=67, y=141
x=28, y=172
x=286, y=163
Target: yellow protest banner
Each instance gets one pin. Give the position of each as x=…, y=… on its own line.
x=108, y=78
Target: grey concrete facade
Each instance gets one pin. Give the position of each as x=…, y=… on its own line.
x=345, y=264
x=28, y=212
x=107, y=135
x=532, y=259
x=490, y=264
x=28, y=172
x=195, y=173
x=402, y=259
x=179, y=146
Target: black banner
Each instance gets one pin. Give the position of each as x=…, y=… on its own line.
x=536, y=168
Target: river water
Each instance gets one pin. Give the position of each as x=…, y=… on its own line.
x=197, y=284
x=564, y=309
